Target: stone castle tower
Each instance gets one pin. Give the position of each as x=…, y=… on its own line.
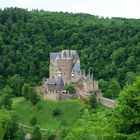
x=65, y=64
x=65, y=69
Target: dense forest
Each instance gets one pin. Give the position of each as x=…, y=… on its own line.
x=108, y=47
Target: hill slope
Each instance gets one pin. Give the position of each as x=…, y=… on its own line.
x=109, y=48
x=43, y=111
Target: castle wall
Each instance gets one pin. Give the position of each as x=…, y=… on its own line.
x=88, y=85
x=66, y=96
x=62, y=63
x=52, y=96
x=95, y=85
x=53, y=87
x=59, y=96
x=107, y=102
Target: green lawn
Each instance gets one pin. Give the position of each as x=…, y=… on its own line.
x=70, y=112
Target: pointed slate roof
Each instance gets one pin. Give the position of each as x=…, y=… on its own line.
x=54, y=55
x=57, y=80
x=76, y=68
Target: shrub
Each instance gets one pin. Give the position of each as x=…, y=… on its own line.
x=39, y=106
x=34, y=121
x=92, y=100
x=64, y=123
x=52, y=137
x=34, y=98
x=36, y=135
x=56, y=112
x=70, y=88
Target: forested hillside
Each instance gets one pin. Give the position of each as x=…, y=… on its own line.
x=109, y=48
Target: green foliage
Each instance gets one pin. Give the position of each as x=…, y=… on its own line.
x=52, y=137
x=34, y=98
x=6, y=90
x=113, y=89
x=64, y=123
x=30, y=94
x=45, y=114
x=20, y=134
x=92, y=100
x=70, y=88
x=56, y=111
x=5, y=98
x=8, y=125
x=128, y=110
x=26, y=89
x=28, y=37
x=36, y=134
x=26, y=40
x=92, y=125
x=116, y=136
x=16, y=83
x=34, y=121
x=103, y=85
x=120, y=123
x=130, y=77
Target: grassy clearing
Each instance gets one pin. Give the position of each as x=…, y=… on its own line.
x=70, y=112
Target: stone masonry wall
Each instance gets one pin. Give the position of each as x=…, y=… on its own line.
x=60, y=96
x=107, y=102
x=66, y=96
x=51, y=96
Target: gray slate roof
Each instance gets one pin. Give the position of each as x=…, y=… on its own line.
x=74, y=55
x=67, y=54
x=57, y=80
x=54, y=55
x=76, y=68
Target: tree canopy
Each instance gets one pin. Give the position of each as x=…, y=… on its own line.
x=109, y=47
x=128, y=109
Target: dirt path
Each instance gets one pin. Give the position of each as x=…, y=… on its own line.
x=42, y=129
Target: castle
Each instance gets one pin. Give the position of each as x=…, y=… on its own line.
x=65, y=69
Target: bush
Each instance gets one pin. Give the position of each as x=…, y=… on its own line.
x=34, y=121
x=64, y=123
x=52, y=137
x=56, y=112
x=49, y=136
x=34, y=98
x=70, y=88
x=36, y=135
x=116, y=136
x=92, y=100
x=39, y=106
x=30, y=94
